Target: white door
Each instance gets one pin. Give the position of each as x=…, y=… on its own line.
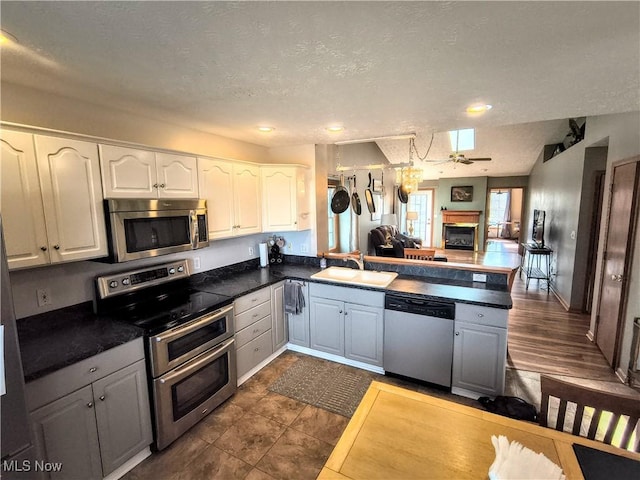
x=422, y=203
x=246, y=186
x=177, y=176
x=72, y=195
x=363, y=333
x=128, y=173
x=22, y=211
x=279, y=199
x=215, y=178
x=326, y=325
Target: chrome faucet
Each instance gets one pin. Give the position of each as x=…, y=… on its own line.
x=359, y=261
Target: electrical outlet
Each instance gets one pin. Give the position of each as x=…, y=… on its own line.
x=251, y=251
x=290, y=246
x=479, y=277
x=44, y=297
x=304, y=248
x=196, y=263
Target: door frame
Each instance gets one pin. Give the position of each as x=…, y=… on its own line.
x=635, y=203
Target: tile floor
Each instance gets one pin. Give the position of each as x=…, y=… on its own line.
x=260, y=435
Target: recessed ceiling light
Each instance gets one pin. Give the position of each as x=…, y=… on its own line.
x=6, y=38
x=266, y=129
x=477, y=109
x=335, y=128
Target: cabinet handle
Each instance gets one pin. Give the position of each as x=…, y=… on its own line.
x=93, y=370
x=57, y=247
x=340, y=311
x=102, y=398
x=162, y=185
x=155, y=185
x=257, y=349
x=457, y=334
x=90, y=404
x=480, y=315
x=44, y=249
x=256, y=330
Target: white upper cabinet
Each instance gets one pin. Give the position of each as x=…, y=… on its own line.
x=232, y=191
x=51, y=200
x=285, y=198
x=132, y=173
x=21, y=206
x=69, y=173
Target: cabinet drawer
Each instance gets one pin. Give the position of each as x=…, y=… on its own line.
x=496, y=317
x=254, y=352
x=68, y=379
x=252, y=315
x=346, y=294
x=251, y=300
x=252, y=331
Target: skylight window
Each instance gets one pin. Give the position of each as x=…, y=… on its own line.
x=462, y=139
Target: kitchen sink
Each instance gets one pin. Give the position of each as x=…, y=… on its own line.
x=365, y=278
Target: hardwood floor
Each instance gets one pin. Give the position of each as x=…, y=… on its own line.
x=545, y=338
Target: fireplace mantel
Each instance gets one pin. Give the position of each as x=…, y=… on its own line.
x=461, y=216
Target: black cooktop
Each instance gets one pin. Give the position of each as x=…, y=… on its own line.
x=161, y=308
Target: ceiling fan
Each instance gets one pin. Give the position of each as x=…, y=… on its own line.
x=454, y=157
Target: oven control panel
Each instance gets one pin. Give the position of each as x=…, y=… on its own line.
x=124, y=282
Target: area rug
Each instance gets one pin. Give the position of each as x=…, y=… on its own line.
x=324, y=385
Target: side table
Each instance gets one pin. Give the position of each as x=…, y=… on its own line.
x=532, y=257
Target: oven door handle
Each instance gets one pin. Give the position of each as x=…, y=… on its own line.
x=190, y=327
x=197, y=362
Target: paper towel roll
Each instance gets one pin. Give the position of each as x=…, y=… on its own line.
x=264, y=256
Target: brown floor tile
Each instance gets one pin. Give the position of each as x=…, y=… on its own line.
x=321, y=424
x=279, y=408
x=295, y=455
x=169, y=462
x=256, y=474
x=250, y=437
x=247, y=397
x=218, y=421
x=214, y=464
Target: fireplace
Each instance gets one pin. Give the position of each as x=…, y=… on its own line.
x=460, y=236
x=460, y=229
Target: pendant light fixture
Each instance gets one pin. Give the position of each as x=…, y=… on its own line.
x=410, y=176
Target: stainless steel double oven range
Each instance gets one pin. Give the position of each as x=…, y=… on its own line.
x=190, y=350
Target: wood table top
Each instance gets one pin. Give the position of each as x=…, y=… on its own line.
x=400, y=434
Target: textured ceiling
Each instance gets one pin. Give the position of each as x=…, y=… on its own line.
x=378, y=68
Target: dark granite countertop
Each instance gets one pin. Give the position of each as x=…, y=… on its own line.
x=53, y=340
x=56, y=339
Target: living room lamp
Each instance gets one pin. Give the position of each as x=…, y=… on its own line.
x=411, y=216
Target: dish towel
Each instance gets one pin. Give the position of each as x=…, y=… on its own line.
x=513, y=460
x=293, y=298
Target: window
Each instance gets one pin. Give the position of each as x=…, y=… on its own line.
x=462, y=139
x=332, y=230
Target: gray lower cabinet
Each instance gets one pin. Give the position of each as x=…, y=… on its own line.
x=251, y=354
x=479, y=351
x=298, y=324
x=254, y=324
x=93, y=416
x=348, y=329
x=279, y=330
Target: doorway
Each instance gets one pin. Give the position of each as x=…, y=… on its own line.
x=503, y=220
x=614, y=286
x=416, y=216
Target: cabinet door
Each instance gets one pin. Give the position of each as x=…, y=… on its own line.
x=363, y=333
x=326, y=325
x=215, y=179
x=299, y=323
x=128, y=173
x=279, y=199
x=303, y=200
x=22, y=211
x=251, y=354
x=69, y=173
x=65, y=432
x=479, y=358
x=122, y=415
x=177, y=176
x=278, y=319
x=247, y=212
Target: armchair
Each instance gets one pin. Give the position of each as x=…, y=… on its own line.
x=394, y=247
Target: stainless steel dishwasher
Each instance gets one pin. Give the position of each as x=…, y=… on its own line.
x=418, y=338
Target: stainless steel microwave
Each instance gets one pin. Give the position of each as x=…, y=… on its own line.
x=141, y=228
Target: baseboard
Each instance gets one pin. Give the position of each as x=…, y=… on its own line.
x=622, y=375
x=564, y=304
x=128, y=465
x=591, y=336
x=335, y=358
